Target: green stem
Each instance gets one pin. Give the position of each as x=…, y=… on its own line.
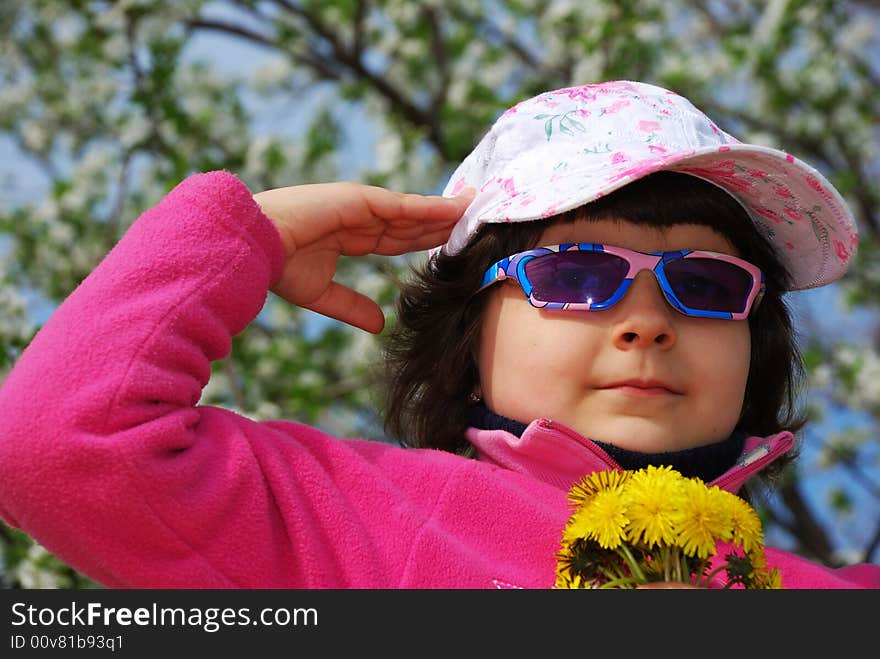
x=683, y=572
x=634, y=567
x=701, y=567
x=622, y=582
x=612, y=575
x=718, y=569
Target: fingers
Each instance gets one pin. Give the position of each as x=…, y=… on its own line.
x=412, y=222
x=360, y=219
x=349, y=306
x=395, y=206
x=397, y=222
x=393, y=244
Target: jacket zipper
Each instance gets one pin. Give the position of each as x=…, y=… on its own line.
x=744, y=473
x=580, y=439
x=739, y=473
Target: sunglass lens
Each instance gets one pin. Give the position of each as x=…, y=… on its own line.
x=576, y=276
x=709, y=284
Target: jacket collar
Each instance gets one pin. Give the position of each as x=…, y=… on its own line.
x=554, y=453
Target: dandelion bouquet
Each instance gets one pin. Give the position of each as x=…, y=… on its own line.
x=635, y=527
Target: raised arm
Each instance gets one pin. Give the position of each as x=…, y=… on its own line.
x=105, y=457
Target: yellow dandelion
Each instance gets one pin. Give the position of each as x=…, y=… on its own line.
x=598, y=481
x=567, y=580
x=771, y=579
x=579, y=526
x=638, y=526
x=762, y=577
x=584, y=564
x=565, y=576
x=606, y=513
x=701, y=518
x=652, y=496
x=745, y=523
x=757, y=557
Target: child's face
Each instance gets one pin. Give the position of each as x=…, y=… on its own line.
x=567, y=366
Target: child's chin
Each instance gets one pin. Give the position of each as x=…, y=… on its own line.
x=647, y=436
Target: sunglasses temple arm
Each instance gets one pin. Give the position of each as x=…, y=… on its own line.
x=495, y=273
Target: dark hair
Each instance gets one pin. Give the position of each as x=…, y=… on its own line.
x=429, y=352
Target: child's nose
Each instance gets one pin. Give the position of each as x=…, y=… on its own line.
x=644, y=317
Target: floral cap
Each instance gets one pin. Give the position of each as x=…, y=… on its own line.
x=564, y=148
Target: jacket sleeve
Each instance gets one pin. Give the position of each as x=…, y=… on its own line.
x=105, y=457
x=800, y=573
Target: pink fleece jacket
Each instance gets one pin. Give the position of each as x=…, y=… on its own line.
x=108, y=460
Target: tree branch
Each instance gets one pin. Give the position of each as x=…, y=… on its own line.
x=317, y=64
x=360, y=15
x=112, y=223
x=441, y=58
x=804, y=526
x=233, y=29
x=353, y=61
x=867, y=205
x=492, y=30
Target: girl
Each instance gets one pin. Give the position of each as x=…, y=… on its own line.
x=609, y=297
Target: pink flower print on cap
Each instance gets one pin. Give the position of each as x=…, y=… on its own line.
x=617, y=106
x=460, y=185
x=768, y=213
x=782, y=191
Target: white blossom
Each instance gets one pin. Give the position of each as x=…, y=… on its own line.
x=266, y=410
x=47, y=210
x=457, y=92
x=34, y=135
x=267, y=367
x=589, y=67
x=866, y=392
x=846, y=355
x=822, y=376
x=768, y=26
x=117, y=47
x=61, y=233
x=68, y=29
x=563, y=8
x=112, y=19
x=856, y=35
x=134, y=129
x=309, y=378
x=31, y=575
x=388, y=150
x=270, y=73
x=821, y=81
x=14, y=322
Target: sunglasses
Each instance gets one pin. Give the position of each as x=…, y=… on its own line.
x=591, y=277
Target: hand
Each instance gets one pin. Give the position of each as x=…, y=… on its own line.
x=318, y=223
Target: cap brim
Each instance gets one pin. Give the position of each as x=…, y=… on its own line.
x=792, y=204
